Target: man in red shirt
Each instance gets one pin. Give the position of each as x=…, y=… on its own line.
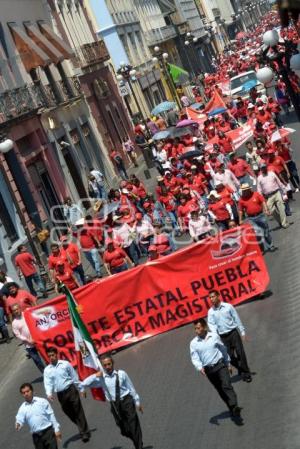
x=55, y=256
x=240, y=168
x=253, y=206
x=71, y=253
x=219, y=210
x=27, y=267
x=17, y=296
x=64, y=274
x=263, y=116
x=90, y=245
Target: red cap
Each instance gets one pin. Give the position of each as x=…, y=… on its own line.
x=138, y=216
x=270, y=151
x=152, y=248
x=146, y=204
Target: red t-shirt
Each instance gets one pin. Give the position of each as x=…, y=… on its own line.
x=162, y=243
x=239, y=168
x=52, y=260
x=23, y=298
x=226, y=195
x=67, y=279
x=71, y=254
x=277, y=165
x=25, y=262
x=219, y=210
x=253, y=205
x=115, y=258
x=86, y=241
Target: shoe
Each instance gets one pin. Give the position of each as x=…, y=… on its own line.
x=86, y=437
x=236, y=412
x=8, y=340
x=45, y=295
x=247, y=378
x=296, y=190
x=273, y=248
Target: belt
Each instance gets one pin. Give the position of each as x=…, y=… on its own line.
x=125, y=397
x=212, y=367
x=42, y=432
x=256, y=215
x=228, y=333
x=268, y=195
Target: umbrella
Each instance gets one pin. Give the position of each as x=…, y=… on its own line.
x=281, y=133
x=217, y=111
x=163, y=107
x=162, y=134
x=186, y=122
x=178, y=132
x=241, y=35
x=190, y=154
x=197, y=106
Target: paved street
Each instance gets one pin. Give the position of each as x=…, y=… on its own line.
x=181, y=409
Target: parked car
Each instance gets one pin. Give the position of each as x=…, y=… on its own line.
x=241, y=84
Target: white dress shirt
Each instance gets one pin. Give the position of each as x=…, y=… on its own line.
x=38, y=414
x=109, y=381
x=21, y=331
x=59, y=377
x=208, y=351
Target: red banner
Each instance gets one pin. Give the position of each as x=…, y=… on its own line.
x=216, y=102
x=157, y=296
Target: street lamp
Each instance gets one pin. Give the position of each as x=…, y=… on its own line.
x=273, y=54
x=161, y=58
x=190, y=41
x=6, y=145
x=126, y=72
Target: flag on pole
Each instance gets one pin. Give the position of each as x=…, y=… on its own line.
x=87, y=357
x=178, y=74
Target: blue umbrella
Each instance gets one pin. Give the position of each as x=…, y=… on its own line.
x=161, y=135
x=217, y=111
x=197, y=106
x=163, y=107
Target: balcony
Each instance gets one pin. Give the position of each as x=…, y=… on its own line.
x=26, y=100
x=19, y=102
x=89, y=54
x=159, y=35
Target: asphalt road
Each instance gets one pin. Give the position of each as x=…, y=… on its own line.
x=182, y=411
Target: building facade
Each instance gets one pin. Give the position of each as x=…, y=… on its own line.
x=60, y=106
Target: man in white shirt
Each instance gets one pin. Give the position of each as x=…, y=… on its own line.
x=270, y=186
x=226, y=177
x=199, y=226
x=127, y=235
x=38, y=414
x=21, y=331
x=61, y=378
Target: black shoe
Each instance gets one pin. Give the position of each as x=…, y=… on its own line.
x=86, y=437
x=247, y=378
x=273, y=248
x=236, y=412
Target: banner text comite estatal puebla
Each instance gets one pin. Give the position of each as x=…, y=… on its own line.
x=157, y=296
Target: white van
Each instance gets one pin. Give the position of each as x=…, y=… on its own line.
x=238, y=82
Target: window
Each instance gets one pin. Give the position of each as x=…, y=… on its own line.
x=7, y=222
x=113, y=122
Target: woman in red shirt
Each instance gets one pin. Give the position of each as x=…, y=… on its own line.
x=161, y=241
x=115, y=259
x=64, y=275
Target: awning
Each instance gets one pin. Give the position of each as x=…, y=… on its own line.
x=56, y=41
x=32, y=56
x=43, y=43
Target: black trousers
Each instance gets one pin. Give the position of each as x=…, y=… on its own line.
x=45, y=439
x=72, y=407
x=219, y=376
x=235, y=349
x=128, y=421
